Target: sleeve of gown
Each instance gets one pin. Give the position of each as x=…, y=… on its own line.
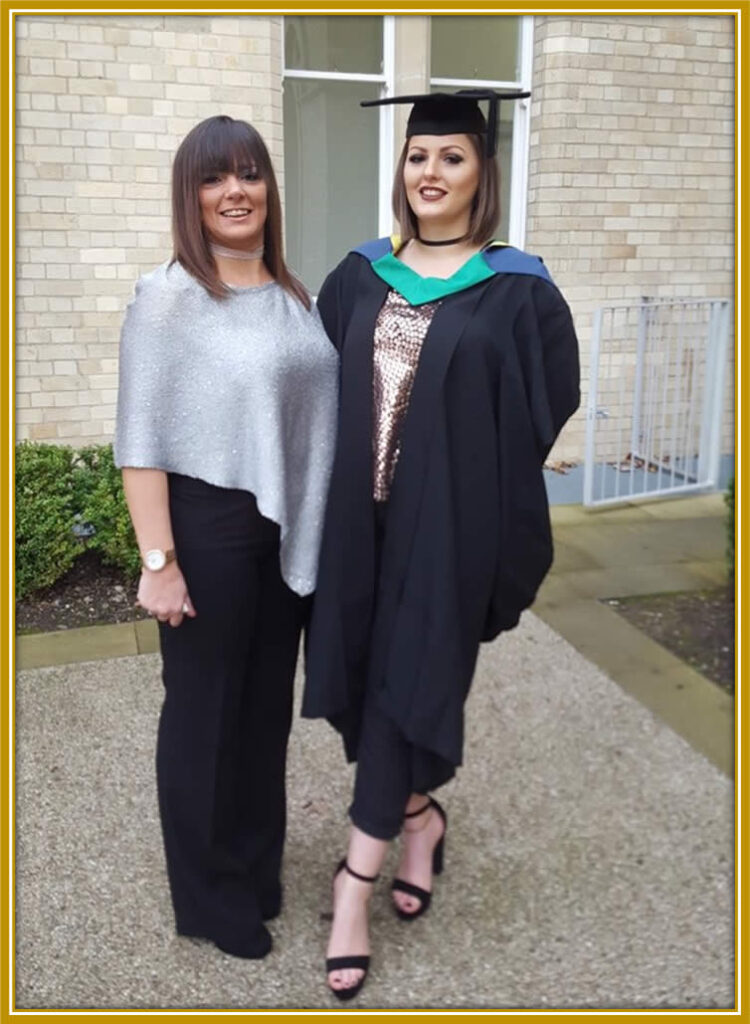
x=551, y=365
x=533, y=410
x=144, y=373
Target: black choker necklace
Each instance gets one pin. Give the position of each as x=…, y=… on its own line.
x=443, y=241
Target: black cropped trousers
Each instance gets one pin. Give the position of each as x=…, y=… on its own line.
x=389, y=767
x=222, y=741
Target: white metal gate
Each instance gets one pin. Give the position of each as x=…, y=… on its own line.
x=655, y=399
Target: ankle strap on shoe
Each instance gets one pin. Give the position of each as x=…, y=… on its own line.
x=361, y=878
x=415, y=814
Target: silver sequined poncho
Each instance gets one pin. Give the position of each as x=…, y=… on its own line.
x=240, y=393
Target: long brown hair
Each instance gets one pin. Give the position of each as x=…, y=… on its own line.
x=222, y=144
x=485, y=209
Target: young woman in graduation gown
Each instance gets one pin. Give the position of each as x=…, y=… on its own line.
x=459, y=366
x=226, y=424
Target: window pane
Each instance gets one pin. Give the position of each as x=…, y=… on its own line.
x=334, y=44
x=505, y=156
x=331, y=173
x=475, y=47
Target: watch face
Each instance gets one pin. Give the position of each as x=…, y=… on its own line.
x=155, y=560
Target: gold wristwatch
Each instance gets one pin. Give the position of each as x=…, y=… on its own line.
x=156, y=559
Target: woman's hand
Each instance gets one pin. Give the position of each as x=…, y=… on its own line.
x=164, y=594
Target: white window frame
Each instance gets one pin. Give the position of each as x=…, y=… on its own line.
x=386, y=83
x=519, y=174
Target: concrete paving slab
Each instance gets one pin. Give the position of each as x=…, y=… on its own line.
x=687, y=508
x=714, y=574
x=70, y=645
x=703, y=714
x=588, y=857
x=147, y=636
x=608, y=514
x=647, y=543
x=571, y=557
x=628, y=581
x=569, y=515
x=635, y=511
x=692, y=705
x=653, y=555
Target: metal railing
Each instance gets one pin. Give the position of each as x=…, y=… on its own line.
x=655, y=399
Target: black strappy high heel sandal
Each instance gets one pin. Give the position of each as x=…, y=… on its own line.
x=340, y=963
x=400, y=885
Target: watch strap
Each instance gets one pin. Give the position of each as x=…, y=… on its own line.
x=169, y=556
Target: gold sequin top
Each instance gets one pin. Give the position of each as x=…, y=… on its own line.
x=400, y=330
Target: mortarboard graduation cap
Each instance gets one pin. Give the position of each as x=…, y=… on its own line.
x=456, y=113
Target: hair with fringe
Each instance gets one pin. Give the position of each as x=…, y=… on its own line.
x=485, y=207
x=219, y=145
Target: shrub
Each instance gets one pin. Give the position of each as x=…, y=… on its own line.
x=100, y=503
x=45, y=544
x=729, y=502
x=68, y=502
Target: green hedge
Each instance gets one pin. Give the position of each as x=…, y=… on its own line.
x=100, y=502
x=68, y=502
x=45, y=544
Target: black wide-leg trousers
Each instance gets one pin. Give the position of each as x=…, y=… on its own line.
x=222, y=741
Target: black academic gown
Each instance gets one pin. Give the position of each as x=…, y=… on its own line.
x=468, y=538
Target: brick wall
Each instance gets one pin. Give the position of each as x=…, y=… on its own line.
x=631, y=175
x=102, y=104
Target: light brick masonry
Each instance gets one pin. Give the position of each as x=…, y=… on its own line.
x=631, y=175
x=631, y=171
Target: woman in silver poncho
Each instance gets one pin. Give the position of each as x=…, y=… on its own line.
x=225, y=433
